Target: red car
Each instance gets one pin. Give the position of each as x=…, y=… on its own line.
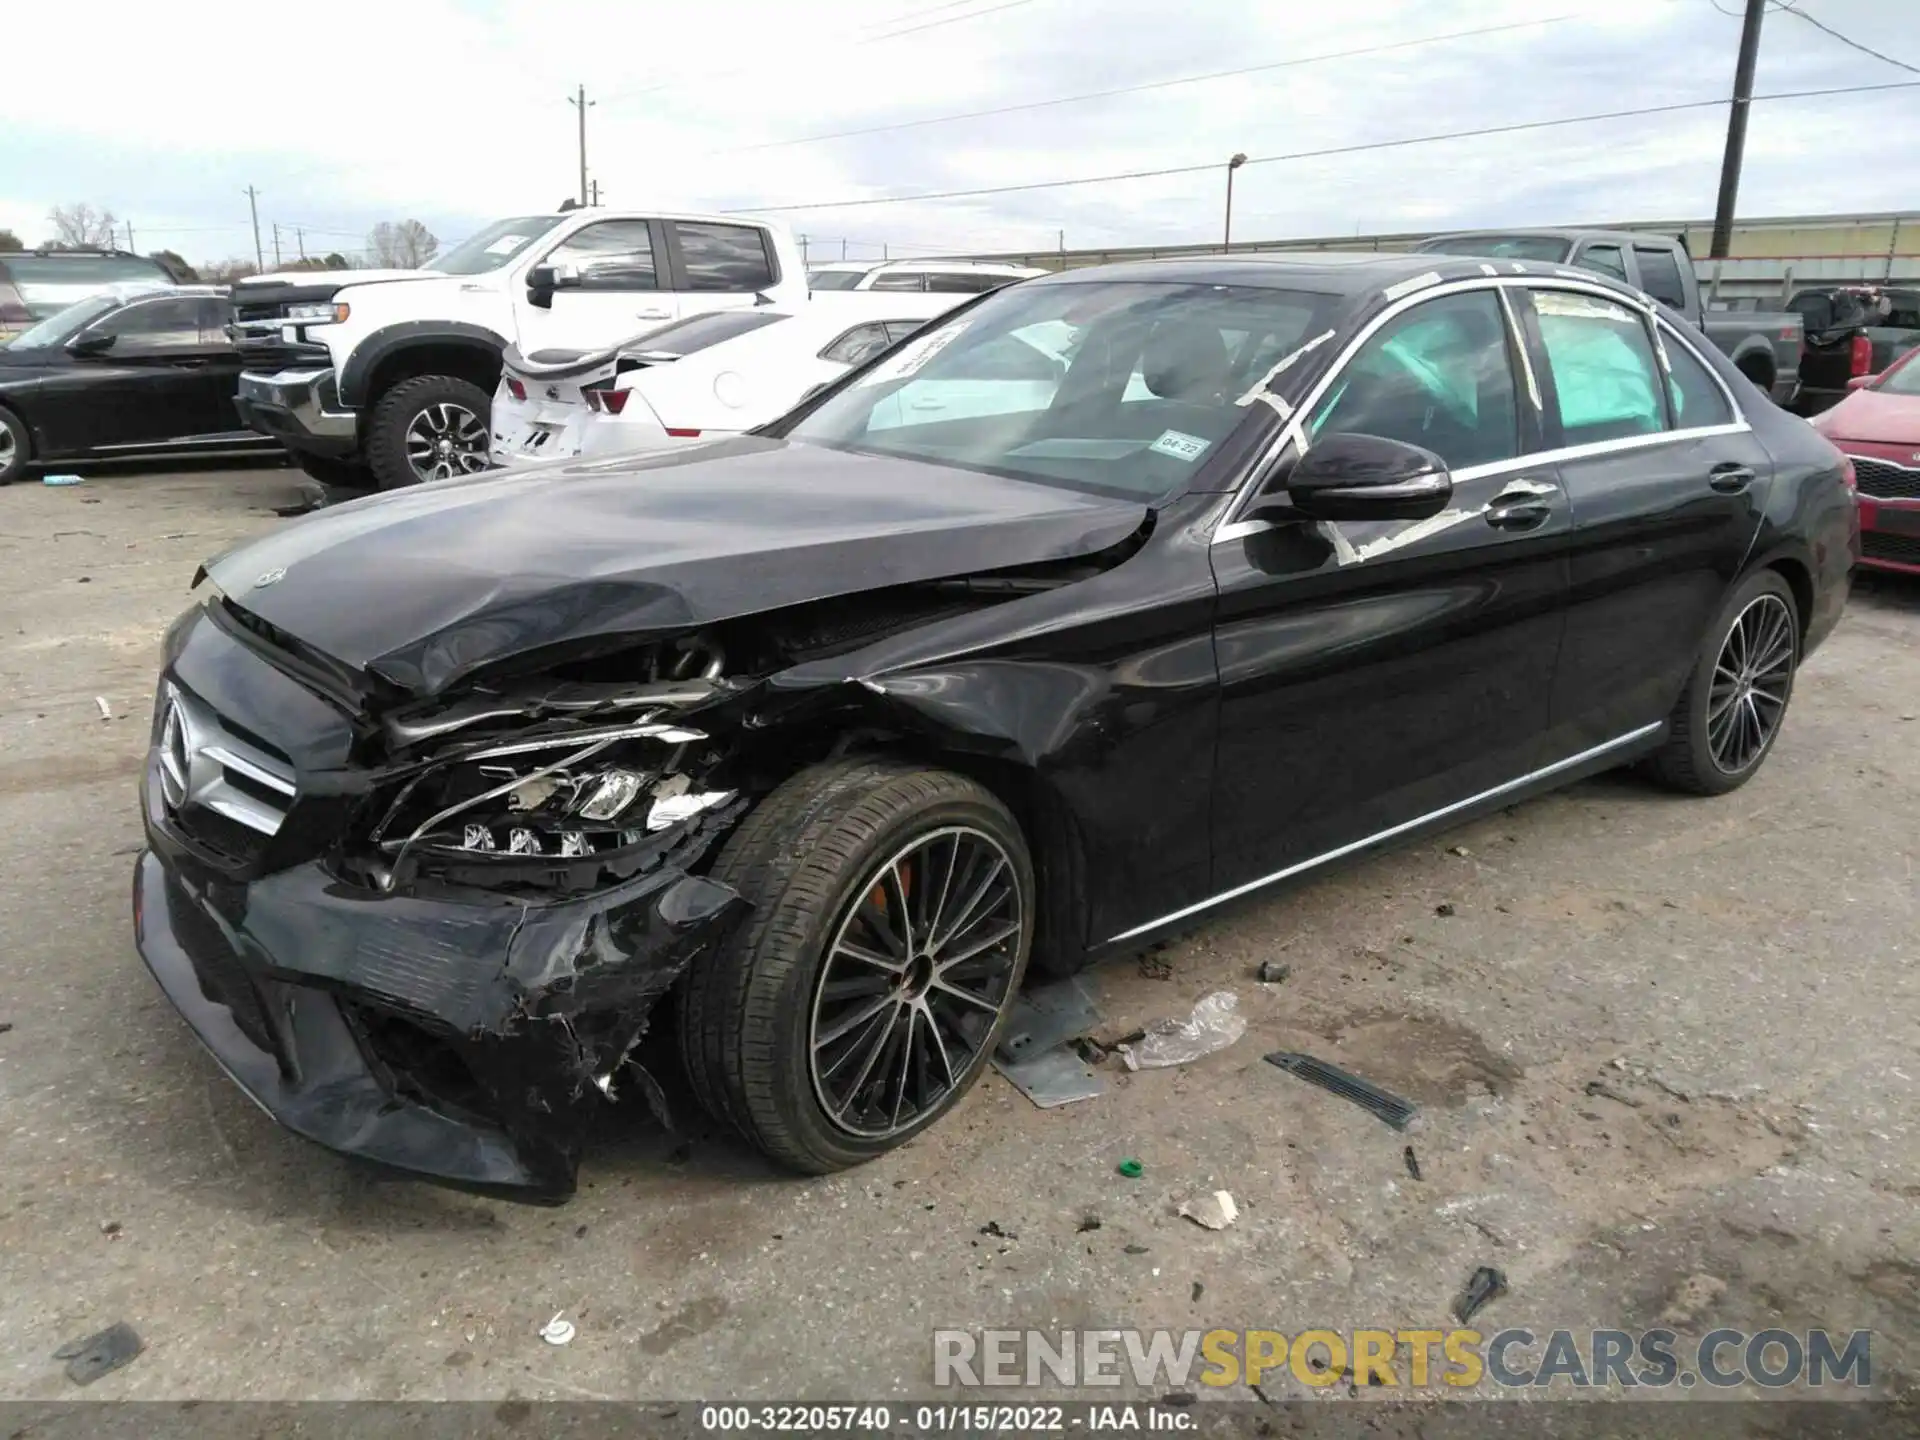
x=1878, y=426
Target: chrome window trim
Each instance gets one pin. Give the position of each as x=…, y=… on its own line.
x=1300, y=867
x=1232, y=527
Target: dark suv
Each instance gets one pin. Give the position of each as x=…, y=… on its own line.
x=37, y=283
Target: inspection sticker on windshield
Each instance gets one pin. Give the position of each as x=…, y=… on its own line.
x=506, y=245
x=912, y=356
x=1180, y=445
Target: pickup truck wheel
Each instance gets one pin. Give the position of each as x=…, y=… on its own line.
x=15, y=447
x=432, y=427
x=893, y=912
x=1730, y=713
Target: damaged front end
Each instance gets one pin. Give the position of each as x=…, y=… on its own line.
x=431, y=936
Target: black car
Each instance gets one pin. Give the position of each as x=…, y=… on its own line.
x=817, y=736
x=130, y=372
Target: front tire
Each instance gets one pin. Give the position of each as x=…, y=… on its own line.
x=893, y=913
x=16, y=446
x=432, y=427
x=1735, y=701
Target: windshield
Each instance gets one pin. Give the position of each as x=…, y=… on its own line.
x=1117, y=388
x=63, y=325
x=835, y=279
x=1546, y=248
x=492, y=247
x=1903, y=376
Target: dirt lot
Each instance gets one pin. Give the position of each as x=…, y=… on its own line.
x=1739, y=972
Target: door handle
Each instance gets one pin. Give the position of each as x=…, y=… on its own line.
x=1731, y=478
x=651, y=315
x=1523, y=505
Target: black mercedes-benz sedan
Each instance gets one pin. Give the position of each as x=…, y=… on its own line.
x=134, y=371
x=1103, y=602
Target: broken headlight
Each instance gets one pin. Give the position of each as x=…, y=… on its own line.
x=565, y=796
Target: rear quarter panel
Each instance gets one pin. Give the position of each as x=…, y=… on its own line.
x=1811, y=521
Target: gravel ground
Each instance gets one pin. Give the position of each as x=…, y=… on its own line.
x=1738, y=972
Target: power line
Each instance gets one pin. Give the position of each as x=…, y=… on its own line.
x=1154, y=85
x=857, y=39
x=1211, y=165
x=1796, y=11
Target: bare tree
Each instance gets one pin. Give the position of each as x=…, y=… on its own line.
x=10, y=241
x=405, y=246
x=81, y=227
x=225, y=272
x=175, y=264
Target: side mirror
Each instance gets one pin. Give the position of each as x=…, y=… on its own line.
x=90, y=343
x=543, y=280
x=1366, y=477
x=1861, y=382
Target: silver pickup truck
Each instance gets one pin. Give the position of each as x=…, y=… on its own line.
x=1765, y=345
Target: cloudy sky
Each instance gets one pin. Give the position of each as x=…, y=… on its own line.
x=456, y=111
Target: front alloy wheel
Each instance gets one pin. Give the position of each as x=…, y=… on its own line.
x=918, y=971
x=893, y=909
x=446, y=440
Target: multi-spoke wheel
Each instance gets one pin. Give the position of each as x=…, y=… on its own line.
x=917, y=973
x=13, y=447
x=1730, y=713
x=432, y=427
x=893, y=911
x=1751, y=679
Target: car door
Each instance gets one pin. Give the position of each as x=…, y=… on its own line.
x=1666, y=483
x=147, y=386
x=1376, y=674
x=613, y=286
x=220, y=374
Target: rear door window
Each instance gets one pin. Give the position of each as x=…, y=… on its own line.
x=965, y=283
x=726, y=258
x=1697, y=398
x=1605, y=377
x=1438, y=376
x=1660, y=276
x=1603, y=260
x=899, y=280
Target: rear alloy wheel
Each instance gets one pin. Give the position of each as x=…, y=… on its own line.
x=14, y=447
x=1731, y=711
x=433, y=427
x=893, y=912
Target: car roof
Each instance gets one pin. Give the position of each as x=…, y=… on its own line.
x=990, y=267
x=1333, y=272
x=1570, y=233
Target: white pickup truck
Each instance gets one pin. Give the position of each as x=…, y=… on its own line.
x=393, y=371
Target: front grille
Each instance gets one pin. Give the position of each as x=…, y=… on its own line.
x=1884, y=480
x=225, y=787
x=1899, y=549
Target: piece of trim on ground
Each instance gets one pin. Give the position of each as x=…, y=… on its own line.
x=1335, y=1081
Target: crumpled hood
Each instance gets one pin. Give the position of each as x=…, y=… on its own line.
x=423, y=586
x=1875, y=416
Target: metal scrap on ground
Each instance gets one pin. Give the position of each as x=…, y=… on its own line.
x=1037, y=1052
x=1331, y=1078
x=1484, y=1286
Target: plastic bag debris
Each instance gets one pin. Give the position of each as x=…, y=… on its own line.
x=63, y=480
x=106, y=710
x=97, y=1355
x=1214, y=1212
x=1216, y=1023
x=558, y=1330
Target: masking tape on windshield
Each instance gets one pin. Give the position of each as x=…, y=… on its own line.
x=1280, y=366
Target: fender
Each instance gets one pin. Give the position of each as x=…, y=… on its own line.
x=368, y=354
x=1754, y=344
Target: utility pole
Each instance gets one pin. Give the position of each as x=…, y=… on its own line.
x=580, y=103
x=1736, y=131
x=843, y=247
x=253, y=204
x=593, y=191
x=276, y=244
x=1226, y=239
x=300, y=241
x=803, y=252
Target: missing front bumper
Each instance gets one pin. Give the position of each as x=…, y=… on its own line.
x=466, y=1043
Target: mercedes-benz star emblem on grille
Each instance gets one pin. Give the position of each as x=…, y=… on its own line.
x=175, y=758
x=269, y=577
